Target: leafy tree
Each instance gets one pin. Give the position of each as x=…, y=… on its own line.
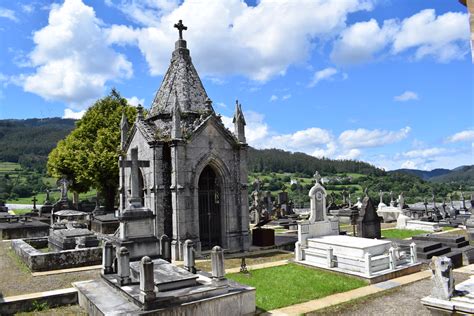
x=89, y=154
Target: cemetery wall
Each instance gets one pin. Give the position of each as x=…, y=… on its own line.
x=39, y=261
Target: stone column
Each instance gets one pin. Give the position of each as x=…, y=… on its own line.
x=391, y=258
x=107, y=253
x=158, y=190
x=188, y=254
x=217, y=262
x=413, y=254
x=298, y=251
x=165, y=248
x=178, y=193
x=368, y=264
x=242, y=196
x=330, y=252
x=123, y=266
x=147, y=281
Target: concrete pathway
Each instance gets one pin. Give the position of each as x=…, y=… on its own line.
x=350, y=295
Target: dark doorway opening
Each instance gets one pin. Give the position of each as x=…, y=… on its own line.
x=209, y=209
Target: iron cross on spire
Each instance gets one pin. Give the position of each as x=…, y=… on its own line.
x=180, y=26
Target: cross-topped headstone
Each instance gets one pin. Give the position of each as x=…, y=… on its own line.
x=180, y=26
x=135, y=165
x=63, y=186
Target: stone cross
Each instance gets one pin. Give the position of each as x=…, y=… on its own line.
x=63, y=186
x=34, y=200
x=180, y=26
x=317, y=177
x=135, y=165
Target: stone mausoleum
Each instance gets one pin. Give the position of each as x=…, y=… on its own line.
x=192, y=170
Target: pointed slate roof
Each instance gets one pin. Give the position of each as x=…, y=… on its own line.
x=182, y=80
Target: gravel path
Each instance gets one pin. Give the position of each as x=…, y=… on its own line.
x=401, y=301
x=16, y=279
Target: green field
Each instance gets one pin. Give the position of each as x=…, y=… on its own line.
x=15, y=175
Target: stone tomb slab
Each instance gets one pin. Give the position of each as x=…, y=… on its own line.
x=167, y=276
x=353, y=246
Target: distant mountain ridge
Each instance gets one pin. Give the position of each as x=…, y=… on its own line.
x=461, y=174
x=423, y=174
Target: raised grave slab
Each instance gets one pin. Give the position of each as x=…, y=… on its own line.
x=12, y=227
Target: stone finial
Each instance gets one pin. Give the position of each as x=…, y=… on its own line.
x=239, y=123
x=180, y=26
x=123, y=129
x=217, y=262
x=140, y=116
x=317, y=177
x=107, y=260
x=188, y=254
x=442, y=278
x=381, y=196
x=147, y=281
x=209, y=105
x=123, y=266
x=165, y=247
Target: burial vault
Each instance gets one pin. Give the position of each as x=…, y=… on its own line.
x=192, y=171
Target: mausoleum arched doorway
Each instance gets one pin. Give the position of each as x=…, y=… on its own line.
x=209, y=193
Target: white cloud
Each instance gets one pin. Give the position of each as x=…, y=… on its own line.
x=135, y=101
x=324, y=74
x=245, y=39
x=359, y=42
x=221, y=104
x=467, y=135
x=406, y=96
x=71, y=114
x=315, y=141
x=303, y=140
x=8, y=14
x=362, y=137
x=27, y=8
x=444, y=37
x=409, y=164
x=352, y=154
x=286, y=97
x=72, y=59
x=424, y=153
x=273, y=98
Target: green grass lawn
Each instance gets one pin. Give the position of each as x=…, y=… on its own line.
x=292, y=284
x=21, y=211
x=401, y=233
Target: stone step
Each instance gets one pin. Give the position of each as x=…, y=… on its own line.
x=421, y=246
x=439, y=238
x=435, y=252
x=456, y=258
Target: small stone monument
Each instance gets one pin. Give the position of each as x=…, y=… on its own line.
x=442, y=278
x=318, y=224
x=368, y=222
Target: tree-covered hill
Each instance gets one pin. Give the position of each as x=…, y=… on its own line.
x=463, y=175
x=277, y=160
x=423, y=174
x=29, y=142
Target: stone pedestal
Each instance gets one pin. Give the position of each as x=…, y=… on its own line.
x=263, y=237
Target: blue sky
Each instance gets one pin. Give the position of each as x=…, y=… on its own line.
x=388, y=82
